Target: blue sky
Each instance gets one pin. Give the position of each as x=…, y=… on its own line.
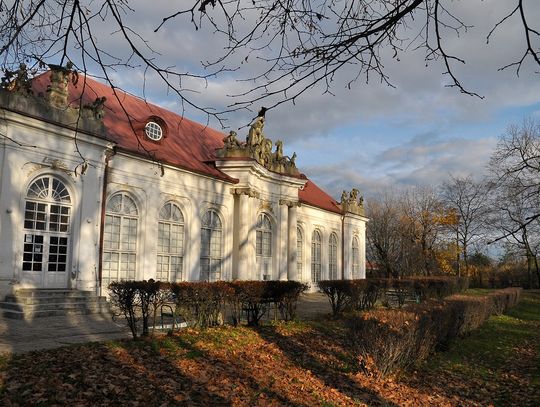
x=371, y=136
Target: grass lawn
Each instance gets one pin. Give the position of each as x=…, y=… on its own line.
x=301, y=363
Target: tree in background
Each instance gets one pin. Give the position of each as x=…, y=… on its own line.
x=467, y=202
x=403, y=234
x=515, y=197
x=424, y=217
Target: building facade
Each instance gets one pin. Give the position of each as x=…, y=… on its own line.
x=97, y=185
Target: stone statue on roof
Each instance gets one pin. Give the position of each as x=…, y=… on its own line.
x=259, y=148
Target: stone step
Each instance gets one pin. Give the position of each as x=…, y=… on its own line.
x=29, y=304
x=50, y=293
x=10, y=310
x=74, y=298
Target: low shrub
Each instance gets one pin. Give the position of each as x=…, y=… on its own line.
x=338, y=293
x=387, y=339
x=362, y=294
x=125, y=300
x=201, y=303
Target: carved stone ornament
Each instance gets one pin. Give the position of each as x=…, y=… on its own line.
x=351, y=202
x=259, y=148
x=266, y=206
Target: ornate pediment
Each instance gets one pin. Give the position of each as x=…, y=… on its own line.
x=352, y=203
x=259, y=148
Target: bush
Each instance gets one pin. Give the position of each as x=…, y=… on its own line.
x=124, y=297
x=338, y=293
x=386, y=340
x=201, y=303
x=358, y=295
x=137, y=299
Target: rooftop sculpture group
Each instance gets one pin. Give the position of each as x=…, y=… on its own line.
x=259, y=148
x=351, y=202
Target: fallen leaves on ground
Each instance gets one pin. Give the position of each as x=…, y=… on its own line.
x=302, y=364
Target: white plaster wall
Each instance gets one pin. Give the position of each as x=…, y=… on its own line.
x=195, y=194
x=309, y=220
x=41, y=143
x=37, y=145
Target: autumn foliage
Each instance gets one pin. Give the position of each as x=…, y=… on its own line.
x=390, y=339
x=359, y=295
x=204, y=304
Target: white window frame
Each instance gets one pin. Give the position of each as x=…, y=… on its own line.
x=170, y=244
x=316, y=256
x=355, y=257
x=211, y=257
x=47, y=230
x=299, y=253
x=120, y=239
x=263, y=246
x=333, y=244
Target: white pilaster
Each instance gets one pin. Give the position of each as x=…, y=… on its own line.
x=291, y=250
x=243, y=235
x=283, y=240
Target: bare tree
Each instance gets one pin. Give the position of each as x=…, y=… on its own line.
x=511, y=217
x=467, y=201
x=424, y=213
x=384, y=235
x=515, y=167
x=298, y=43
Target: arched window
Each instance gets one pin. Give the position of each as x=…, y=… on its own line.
x=170, y=259
x=211, y=246
x=263, y=247
x=355, y=258
x=316, y=256
x=120, y=239
x=47, y=224
x=332, y=257
x=299, y=254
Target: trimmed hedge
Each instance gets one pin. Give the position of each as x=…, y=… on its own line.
x=389, y=339
x=204, y=304
x=359, y=295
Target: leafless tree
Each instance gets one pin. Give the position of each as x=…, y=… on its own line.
x=298, y=43
x=511, y=218
x=467, y=203
x=384, y=235
x=424, y=213
x=515, y=165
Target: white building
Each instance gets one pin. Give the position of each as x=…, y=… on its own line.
x=95, y=190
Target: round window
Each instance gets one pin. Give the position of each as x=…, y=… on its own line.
x=153, y=131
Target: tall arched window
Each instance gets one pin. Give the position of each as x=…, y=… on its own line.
x=170, y=259
x=355, y=258
x=211, y=246
x=316, y=256
x=47, y=220
x=332, y=257
x=263, y=247
x=299, y=254
x=120, y=239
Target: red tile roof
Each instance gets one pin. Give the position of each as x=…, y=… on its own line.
x=186, y=144
x=312, y=195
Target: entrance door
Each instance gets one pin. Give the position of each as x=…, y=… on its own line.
x=47, y=217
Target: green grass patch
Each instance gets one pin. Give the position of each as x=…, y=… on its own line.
x=504, y=345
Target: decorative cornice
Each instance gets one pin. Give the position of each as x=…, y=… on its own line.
x=289, y=203
x=246, y=191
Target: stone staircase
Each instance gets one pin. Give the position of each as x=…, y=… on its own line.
x=36, y=303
